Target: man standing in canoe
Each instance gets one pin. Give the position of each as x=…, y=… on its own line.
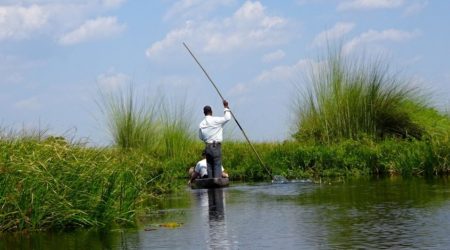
x=210, y=132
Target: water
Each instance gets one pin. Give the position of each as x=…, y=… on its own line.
x=375, y=214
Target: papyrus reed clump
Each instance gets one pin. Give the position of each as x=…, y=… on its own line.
x=349, y=98
x=150, y=123
x=131, y=121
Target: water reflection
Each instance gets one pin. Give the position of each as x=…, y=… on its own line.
x=216, y=206
x=389, y=213
x=218, y=237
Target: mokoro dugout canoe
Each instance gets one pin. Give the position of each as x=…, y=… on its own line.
x=210, y=183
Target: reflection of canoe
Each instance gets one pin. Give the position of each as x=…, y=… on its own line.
x=210, y=183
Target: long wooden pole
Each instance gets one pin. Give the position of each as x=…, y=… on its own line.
x=234, y=118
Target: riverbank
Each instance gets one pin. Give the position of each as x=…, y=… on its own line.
x=349, y=158
x=54, y=185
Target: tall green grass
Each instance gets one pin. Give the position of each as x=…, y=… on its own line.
x=346, y=158
x=177, y=133
x=131, y=121
x=350, y=98
x=51, y=184
x=48, y=183
x=154, y=124
x=36, y=134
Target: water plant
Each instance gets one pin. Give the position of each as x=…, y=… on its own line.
x=52, y=184
x=131, y=121
x=177, y=134
x=350, y=97
x=155, y=125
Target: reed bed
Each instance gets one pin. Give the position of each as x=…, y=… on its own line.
x=355, y=118
x=131, y=120
x=48, y=183
x=347, y=158
x=350, y=98
x=51, y=184
x=157, y=125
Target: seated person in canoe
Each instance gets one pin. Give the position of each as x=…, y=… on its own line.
x=200, y=170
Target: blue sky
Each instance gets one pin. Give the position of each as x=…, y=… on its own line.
x=56, y=55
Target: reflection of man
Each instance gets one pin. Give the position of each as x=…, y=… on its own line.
x=200, y=170
x=210, y=132
x=218, y=237
x=216, y=204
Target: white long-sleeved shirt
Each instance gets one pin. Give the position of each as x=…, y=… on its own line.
x=211, y=128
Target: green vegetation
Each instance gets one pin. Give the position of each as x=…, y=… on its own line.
x=158, y=127
x=52, y=184
x=353, y=98
x=357, y=120
x=131, y=124
x=348, y=158
x=49, y=183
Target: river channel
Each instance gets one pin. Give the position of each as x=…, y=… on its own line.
x=389, y=213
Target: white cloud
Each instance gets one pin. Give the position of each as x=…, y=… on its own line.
x=336, y=32
x=280, y=74
x=194, y=8
x=32, y=103
x=174, y=37
x=104, y=3
x=98, y=28
x=249, y=27
x=27, y=18
x=415, y=8
x=112, y=80
x=18, y=22
x=372, y=36
x=369, y=4
x=273, y=56
x=284, y=73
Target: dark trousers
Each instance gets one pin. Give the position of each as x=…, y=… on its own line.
x=214, y=160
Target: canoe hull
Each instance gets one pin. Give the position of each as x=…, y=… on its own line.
x=210, y=183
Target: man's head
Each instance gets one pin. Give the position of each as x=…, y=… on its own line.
x=207, y=110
